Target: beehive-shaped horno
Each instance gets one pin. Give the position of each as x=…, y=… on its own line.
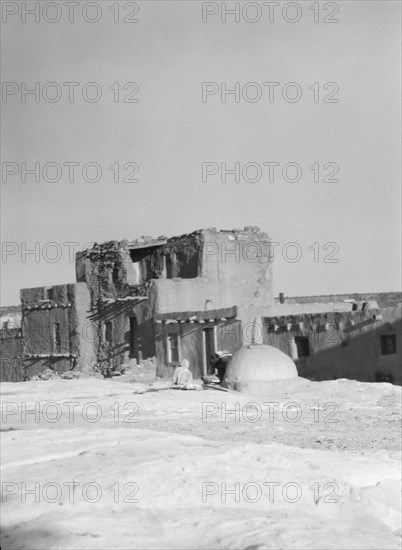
x=253, y=367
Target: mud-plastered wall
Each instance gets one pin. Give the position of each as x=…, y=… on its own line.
x=340, y=344
x=235, y=269
x=11, y=356
x=242, y=259
x=52, y=327
x=191, y=344
x=121, y=330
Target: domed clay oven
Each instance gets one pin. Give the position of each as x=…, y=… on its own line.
x=252, y=367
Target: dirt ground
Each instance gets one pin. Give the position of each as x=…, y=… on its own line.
x=182, y=447
x=339, y=414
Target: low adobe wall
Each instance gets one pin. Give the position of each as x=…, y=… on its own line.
x=64, y=307
x=349, y=348
x=11, y=357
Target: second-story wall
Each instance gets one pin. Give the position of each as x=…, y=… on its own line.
x=206, y=268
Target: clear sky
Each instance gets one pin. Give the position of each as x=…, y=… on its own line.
x=170, y=132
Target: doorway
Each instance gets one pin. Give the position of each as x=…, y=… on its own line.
x=135, y=340
x=209, y=347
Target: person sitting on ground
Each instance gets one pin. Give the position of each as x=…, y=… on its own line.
x=182, y=376
x=222, y=360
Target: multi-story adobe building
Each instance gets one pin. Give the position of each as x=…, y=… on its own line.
x=188, y=296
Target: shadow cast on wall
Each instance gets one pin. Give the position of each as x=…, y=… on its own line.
x=357, y=357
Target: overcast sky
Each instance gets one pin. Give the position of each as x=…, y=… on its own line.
x=170, y=132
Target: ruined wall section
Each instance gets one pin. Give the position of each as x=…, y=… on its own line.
x=110, y=272
x=113, y=339
x=182, y=256
x=103, y=269
x=176, y=257
x=11, y=357
x=229, y=267
x=53, y=328
x=235, y=269
x=118, y=300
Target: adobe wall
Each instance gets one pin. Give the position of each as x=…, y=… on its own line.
x=241, y=259
x=391, y=323
x=104, y=270
x=112, y=269
x=202, y=293
x=383, y=299
x=117, y=350
x=254, y=318
x=229, y=267
x=11, y=363
x=192, y=344
x=229, y=336
x=191, y=347
x=86, y=356
x=68, y=309
x=350, y=348
x=162, y=369
x=180, y=256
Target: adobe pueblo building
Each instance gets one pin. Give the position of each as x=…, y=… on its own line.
x=186, y=297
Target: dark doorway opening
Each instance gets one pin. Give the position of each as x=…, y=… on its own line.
x=135, y=340
x=303, y=346
x=388, y=344
x=209, y=349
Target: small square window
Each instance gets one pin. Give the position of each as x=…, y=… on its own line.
x=388, y=344
x=303, y=346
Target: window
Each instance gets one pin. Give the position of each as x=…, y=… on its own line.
x=56, y=338
x=49, y=293
x=388, y=344
x=173, y=348
x=303, y=346
x=108, y=331
x=115, y=275
x=171, y=266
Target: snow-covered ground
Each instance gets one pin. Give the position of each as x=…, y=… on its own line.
x=98, y=464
